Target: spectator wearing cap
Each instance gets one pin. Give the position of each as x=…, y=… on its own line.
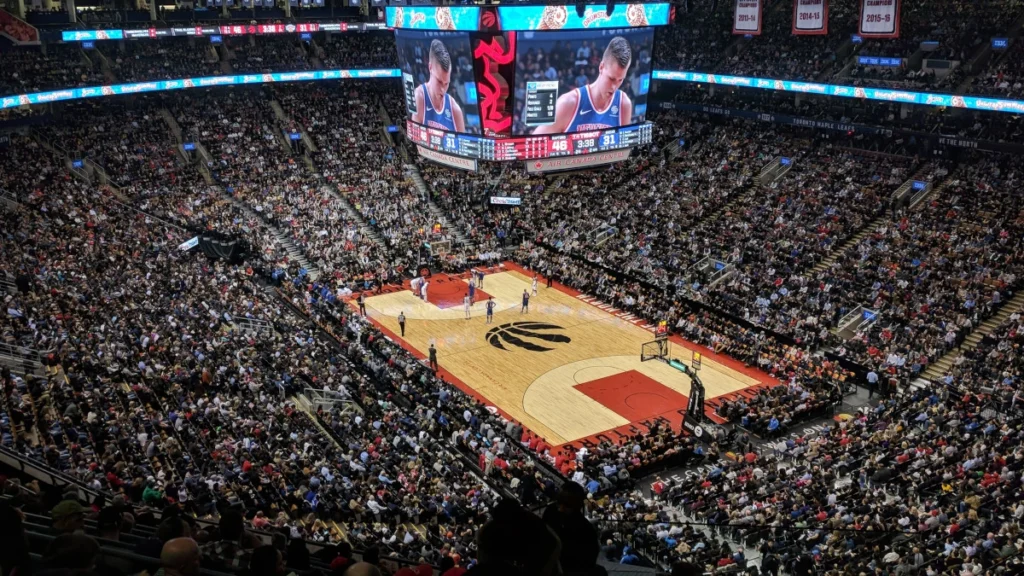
x=68, y=517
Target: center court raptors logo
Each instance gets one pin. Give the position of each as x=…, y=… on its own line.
x=522, y=334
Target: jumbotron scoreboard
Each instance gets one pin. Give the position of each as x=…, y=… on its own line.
x=474, y=92
x=529, y=147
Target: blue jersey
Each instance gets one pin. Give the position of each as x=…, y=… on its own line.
x=445, y=119
x=588, y=118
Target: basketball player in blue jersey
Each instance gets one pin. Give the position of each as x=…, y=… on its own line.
x=600, y=104
x=434, y=107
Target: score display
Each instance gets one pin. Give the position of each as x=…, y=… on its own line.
x=529, y=147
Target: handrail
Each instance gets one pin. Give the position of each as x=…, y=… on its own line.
x=147, y=214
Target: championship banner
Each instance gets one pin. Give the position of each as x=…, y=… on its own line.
x=810, y=17
x=880, y=18
x=746, y=17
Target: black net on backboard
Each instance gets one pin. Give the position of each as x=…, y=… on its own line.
x=656, y=350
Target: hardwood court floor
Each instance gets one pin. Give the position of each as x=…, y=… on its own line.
x=568, y=369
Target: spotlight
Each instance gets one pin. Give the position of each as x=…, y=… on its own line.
x=581, y=8
x=610, y=7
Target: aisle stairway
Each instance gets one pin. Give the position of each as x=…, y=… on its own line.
x=461, y=238
x=764, y=179
x=939, y=368
x=291, y=247
x=303, y=404
x=867, y=230
x=353, y=215
x=289, y=243
x=330, y=189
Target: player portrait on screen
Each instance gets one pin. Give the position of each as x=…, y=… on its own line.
x=600, y=104
x=434, y=106
x=581, y=80
x=438, y=80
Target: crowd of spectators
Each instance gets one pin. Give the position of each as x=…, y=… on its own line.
x=249, y=55
x=144, y=162
x=701, y=40
x=150, y=408
x=166, y=59
x=828, y=195
x=934, y=273
x=920, y=485
x=891, y=77
x=179, y=373
x=778, y=53
x=255, y=161
x=364, y=166
x=359, y=50
x=31, y=69
x=697, y=38
x=1006, y=78
x=58, y=65
x=876, y=114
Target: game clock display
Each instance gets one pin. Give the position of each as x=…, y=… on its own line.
x=529, y=147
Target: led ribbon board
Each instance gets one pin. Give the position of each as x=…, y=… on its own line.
x=16, y=100
x=455, y=18
x=883, y=94
x=594, y=16
x=226, y=30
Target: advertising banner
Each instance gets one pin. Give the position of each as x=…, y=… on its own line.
x=577, y=162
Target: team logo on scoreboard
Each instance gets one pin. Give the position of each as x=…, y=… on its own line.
x=524, y=335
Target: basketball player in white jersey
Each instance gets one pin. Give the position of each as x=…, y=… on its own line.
x=534, y=287
x=600, y=104
x=466, y=303
x=435, y=108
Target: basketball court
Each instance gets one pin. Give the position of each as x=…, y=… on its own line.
x=570, y=369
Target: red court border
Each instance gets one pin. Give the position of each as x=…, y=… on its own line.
x=765, y=380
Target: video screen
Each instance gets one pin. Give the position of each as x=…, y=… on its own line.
x=578, y=81
x=437, y=76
